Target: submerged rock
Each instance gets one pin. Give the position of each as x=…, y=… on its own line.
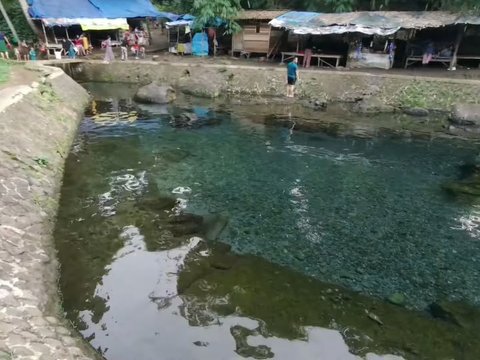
x=458, y=313
x=469, y=186
x=191, y=120
x=372, y=105
x=155, y=94
x=468, y=182
x=416, y=111
x=466, y=114
x=156, y=203
x=214, y=225
x=397, y=299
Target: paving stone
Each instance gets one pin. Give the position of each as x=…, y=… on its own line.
x=5, y=328
x=21, y=350
x=62, y=331
x=15, y=339
x=75, y=351
x=56, y=344
x=45, y=332
x=51, y=320
x=68, y=341
x=37, y=322
x=41, y=348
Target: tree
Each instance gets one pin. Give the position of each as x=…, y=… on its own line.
x=15, y=17
x=9, y=22
x=341, y=5
x=207, y=12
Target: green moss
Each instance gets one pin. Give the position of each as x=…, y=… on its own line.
x=432, y=95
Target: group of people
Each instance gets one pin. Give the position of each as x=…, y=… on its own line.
x=80, y=46
x=4, y=45
x=23, y=52
x=430, y=51
x=133, y=41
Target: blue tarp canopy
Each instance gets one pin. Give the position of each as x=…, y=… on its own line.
x=125, y=8
x=93, y=9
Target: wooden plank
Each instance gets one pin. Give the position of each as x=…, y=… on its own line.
x=255, y=37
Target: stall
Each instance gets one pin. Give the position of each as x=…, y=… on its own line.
x=89, y=15
x=373, y=37
x=256, y=35
x=179, y=33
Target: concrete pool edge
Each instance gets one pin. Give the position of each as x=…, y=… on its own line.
x=374, y=92
x=38, y=124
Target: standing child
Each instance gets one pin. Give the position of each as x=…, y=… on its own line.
x=109, y=56
x=292, y=77
x=32, y=54
x=124, y=47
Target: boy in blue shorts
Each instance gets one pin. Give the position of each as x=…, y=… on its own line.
x=292, y=77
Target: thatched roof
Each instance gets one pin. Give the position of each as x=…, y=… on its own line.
x=259, y=14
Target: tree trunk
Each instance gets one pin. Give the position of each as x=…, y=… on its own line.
x=24, y=6
x=9, y=22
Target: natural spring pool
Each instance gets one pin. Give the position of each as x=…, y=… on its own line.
x=322, y=229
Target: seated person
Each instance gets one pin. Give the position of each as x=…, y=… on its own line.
x=446, y=52
x=138, y=50
x=428, y=53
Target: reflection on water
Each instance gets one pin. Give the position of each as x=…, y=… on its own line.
x=161, y=316
x=149, y=212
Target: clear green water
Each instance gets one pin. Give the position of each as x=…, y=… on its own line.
x=367, y=215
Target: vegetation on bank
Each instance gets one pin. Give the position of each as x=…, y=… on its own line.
x=4, y=72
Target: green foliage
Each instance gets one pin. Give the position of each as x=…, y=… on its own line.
x=19, y=22
x=182, y=7
x=341, y=5
x=207, y=11
x=458, y=5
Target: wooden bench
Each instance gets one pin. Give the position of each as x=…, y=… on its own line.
x=417, y=58
x=444, y=60
x=290, y=55
x=320, y=58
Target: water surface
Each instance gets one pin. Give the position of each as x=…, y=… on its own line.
x=304, y=210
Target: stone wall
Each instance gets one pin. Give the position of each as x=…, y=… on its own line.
x=394, y=91
x=37, y=126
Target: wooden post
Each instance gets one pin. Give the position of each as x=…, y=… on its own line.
x=269, y=39
x=44, y=33
x=460, y=32
x=66, y=32
x=46, y=39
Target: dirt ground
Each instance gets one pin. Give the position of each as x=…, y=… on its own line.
x=19, y=75
x=429, y=71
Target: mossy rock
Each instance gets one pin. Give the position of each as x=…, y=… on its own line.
x=398, y=299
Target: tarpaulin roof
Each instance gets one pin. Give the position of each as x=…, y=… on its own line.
x=183, y=20
x=93, y=9
x=125, y=8
x=89, y=24
x=374, y=22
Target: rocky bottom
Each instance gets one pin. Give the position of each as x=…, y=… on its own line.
x=203, y=233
